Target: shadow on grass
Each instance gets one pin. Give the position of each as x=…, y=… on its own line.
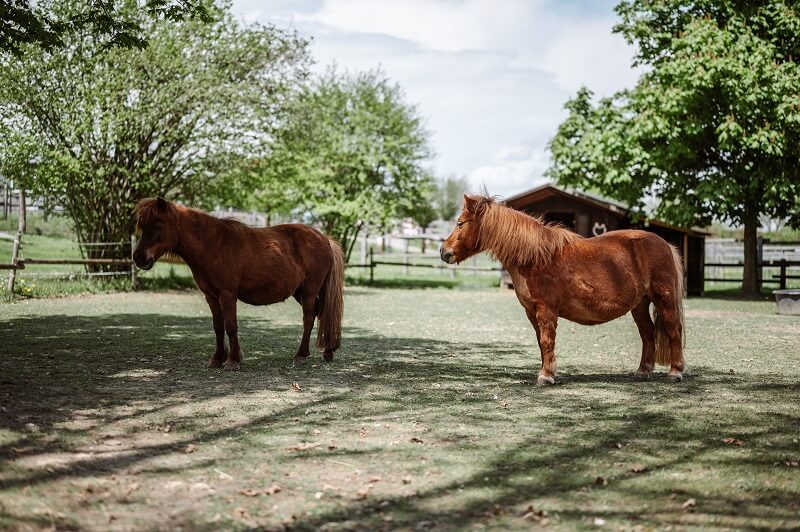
x=56, y=368
x=400, y=282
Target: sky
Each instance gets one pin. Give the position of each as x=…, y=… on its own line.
x=490, y=77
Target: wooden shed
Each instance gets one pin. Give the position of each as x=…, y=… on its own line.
x=590, y=215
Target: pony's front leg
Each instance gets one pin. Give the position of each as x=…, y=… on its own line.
x=545, y=322
x=219, y=330
x=228, y=304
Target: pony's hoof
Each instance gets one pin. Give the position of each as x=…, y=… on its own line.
x=214, y=363
x=299, y=360
x=545, y=381
x=327, y=356
x=230, y=365
x=674, y=377
x=641, y=375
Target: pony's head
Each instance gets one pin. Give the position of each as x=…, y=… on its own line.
x=464, y=241
x=156, y=224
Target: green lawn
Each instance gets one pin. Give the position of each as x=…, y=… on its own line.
x=427, y=419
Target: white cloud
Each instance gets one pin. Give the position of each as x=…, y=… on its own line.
x=490, y=76
x=513, y=169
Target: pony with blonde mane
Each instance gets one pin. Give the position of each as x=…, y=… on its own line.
x=557, y=273
x=232, y=262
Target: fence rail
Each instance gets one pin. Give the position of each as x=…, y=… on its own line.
x=780, y=279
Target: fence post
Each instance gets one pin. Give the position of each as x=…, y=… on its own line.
x=17, y=242
x=405, y=256
x=783, y=274
x=759, y=261
x=133, y=265
x=371, y=266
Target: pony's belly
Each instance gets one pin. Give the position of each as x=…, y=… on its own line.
x=591, y=316
x=263, y=297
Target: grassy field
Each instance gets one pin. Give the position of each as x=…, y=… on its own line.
x=426, y=419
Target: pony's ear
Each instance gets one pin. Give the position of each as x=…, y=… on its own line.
x=162, y=204
x=469, y=203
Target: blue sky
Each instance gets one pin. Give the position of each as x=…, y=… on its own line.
x=490, y=76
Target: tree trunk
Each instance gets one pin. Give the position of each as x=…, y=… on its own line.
x=750, y=288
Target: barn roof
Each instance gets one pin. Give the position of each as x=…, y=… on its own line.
x=547, y=190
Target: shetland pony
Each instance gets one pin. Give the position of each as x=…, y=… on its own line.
x=231, y=261
x=557, y=273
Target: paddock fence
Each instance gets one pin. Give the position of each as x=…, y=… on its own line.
x=778, y=262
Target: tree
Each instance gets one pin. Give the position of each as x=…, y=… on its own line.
x=95, y=132
x=24, y=22
x=712, y=128
x=350, y=154
x=449, y=196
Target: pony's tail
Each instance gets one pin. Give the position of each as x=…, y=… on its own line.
x=663, y=351
x=329, y=331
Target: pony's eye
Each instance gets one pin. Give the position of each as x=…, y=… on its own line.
x=459, y=223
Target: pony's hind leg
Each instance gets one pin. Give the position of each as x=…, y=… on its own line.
x=309, y=305
x=219, y=330
x=647, y=331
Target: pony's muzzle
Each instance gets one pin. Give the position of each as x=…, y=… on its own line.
x=447, y=255
x=141, y=262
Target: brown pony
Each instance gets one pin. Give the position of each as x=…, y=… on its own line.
x=231, y=261
x=557, y=273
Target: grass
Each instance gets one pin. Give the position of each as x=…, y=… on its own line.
x=426, y=419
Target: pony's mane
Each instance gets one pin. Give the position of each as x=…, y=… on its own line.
x=146, y=211
x=513, y=237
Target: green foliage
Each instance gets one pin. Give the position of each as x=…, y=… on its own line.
x=712, y=128
x=23, y=22
x=349, y=155
x=95, y=129
x=449, y=196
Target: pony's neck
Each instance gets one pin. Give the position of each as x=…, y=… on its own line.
x=192, y=232
x=515, y=238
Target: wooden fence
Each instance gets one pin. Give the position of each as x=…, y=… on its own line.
x=406, y=263
x=777, y=263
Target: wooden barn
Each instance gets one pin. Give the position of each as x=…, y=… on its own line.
x=590, y=215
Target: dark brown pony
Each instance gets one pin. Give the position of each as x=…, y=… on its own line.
x=231, y=261
x=557, y=273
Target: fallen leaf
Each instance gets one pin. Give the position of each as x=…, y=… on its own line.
x=241, y=513
x=363, y=492
x=304, y=446
x=406, y=480
x=414, y=439
x=638, y=468
x=529, y=514
x=689, y=503
x=601, y=481
x=374, y=479
x=331, y=447
x=732, y=441
x=249, y=492
x=296, y=387
x=190, y=448
x=273, y=489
